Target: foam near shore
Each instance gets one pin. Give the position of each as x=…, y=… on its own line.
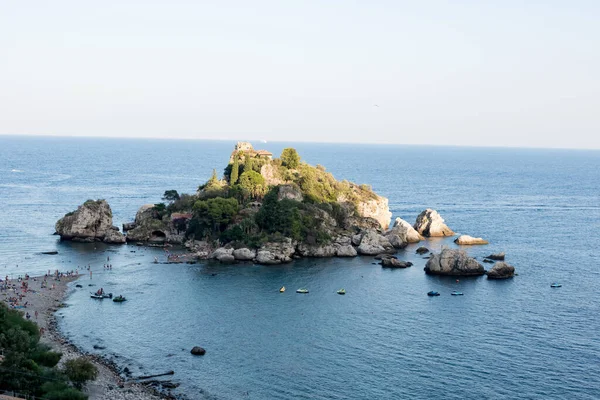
x=46, y=301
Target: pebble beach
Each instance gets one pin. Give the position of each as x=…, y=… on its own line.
x=46, y=301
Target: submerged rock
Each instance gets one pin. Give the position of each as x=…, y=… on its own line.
x=469, y=240
x=453, y=262
x=198, y=351
x=422, y=250
x=395, y=263
x=92, y=221
x=501, y=270
x=430, y=224
x=496, y=257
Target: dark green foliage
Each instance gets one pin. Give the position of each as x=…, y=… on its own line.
x=253, y=185
x=232, y=234
x=61, y=391
x=170, y=195
x=79, y=371
x=161, y=209
x=44, y=356
x=290, y=158
x=289, y=218
x=235, y=169
x=212, y=216
x=27, y=364
x=184, y=203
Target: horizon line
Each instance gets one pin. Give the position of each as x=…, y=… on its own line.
x=183, y=138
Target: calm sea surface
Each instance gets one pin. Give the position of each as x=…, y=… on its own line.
x=385, y=339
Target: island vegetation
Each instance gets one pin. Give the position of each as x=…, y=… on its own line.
x=259, y=199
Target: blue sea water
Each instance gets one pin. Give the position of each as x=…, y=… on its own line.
x=385, y=338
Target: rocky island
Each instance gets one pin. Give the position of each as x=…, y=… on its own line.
x=270, y=211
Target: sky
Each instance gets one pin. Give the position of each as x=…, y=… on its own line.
x=477, y=73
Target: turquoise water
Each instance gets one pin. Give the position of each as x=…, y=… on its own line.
x=385, y=338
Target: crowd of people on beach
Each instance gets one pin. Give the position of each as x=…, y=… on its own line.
x=19, y=287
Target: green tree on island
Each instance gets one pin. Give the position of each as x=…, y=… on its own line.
x=170, y=195
x=235, y=170
x=290, y=158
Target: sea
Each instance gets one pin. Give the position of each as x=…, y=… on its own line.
x=385, y=339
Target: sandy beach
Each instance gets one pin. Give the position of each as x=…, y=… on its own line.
x=46, y=301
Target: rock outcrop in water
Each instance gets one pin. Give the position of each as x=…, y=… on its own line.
x=453, y=262
x=501, y=270
x=431, y=224
x=92, y=221
x=403, y=233
x=469, y=240
x=496, y=256
x=155, y=226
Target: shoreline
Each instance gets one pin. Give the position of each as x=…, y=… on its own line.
x=46, y=302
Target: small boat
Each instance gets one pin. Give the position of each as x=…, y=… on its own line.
x=101, y=296
x=455, y=293
x=556, y=285
x=433, y=293
x=282, y=289
x=119, y=299
x=302, y=291
x=341, y=291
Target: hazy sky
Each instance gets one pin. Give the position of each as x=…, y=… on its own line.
x=502, y=72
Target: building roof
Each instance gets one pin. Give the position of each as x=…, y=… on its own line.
x=264, y=153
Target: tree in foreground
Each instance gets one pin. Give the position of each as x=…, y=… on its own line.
x=79, y=371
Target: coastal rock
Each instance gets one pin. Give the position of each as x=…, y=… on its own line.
x=395, y=263
x=271, y=175
x=306, y=250
x=276, y=252
x=90, y=222
x=244, y=254
x=198, y=351
x=469, y=240
x=127, y=226
x=453, y=262
x=431, y=224
x=148, y=226
x=343, y=240
x=368, y=207
x=220, y=252
x=266, y=257
x=405, y=232
x=422, y=250
x=356, y=239
x=114, y=236
x=396, y=241
x=501, y=270
x=496, y=257
x=372, y=243
x=345, y=250
x=289, y=192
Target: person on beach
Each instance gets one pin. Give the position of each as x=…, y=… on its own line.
x=36, y=314
x=90, y=274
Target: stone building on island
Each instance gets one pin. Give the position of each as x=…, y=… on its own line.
x=243, y=149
